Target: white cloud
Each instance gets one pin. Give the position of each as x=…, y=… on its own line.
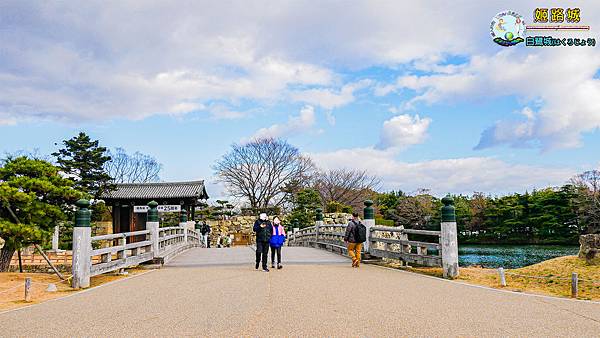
x=97, y=61
x=454, y=175
x=329, y=99
x=402, y=131
x=561, y=83
x=295, y=125
x=100, y=61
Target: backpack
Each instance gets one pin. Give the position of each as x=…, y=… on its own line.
x=360, y=232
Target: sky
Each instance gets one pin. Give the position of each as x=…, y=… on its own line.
x=416, y=93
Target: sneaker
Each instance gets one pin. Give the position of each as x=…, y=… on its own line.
x=256, y=266
x=279, y=266
x=272, y=266
x=266, y=270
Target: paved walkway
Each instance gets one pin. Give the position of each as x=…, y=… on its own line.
x=191, y=298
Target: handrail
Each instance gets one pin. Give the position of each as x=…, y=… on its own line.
x=170, y=228
x=120, y=235
x=398, y=246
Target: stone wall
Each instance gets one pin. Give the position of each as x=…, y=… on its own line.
x=589, y=248
x=336, y=218
x=233, y=225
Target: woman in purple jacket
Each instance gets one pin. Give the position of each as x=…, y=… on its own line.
x=276, y=242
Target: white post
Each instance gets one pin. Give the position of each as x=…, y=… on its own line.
x=449, y=239
x=152, y=224
x=502, y=276
x=318, y=224
x=183, y=224
x=55, y=238
x=82, y=246
x=369, y=222
x=185, y=232
x=153, y=227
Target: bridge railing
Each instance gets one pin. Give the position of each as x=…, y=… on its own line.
x=390, y=242
x=114, y=257
x=393, y=242
x=100, y=254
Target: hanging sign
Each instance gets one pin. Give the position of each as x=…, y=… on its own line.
x=160, y=208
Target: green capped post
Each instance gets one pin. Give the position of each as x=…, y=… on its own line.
x=318, y=214
x=152, y=211
x=448, y=212
x=369, y=212
x=83, y=215
x=183, y=216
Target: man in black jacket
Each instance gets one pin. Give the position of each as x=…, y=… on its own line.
x=264, y=231
x=205, y=230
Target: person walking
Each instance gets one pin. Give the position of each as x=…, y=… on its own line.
x=354, y=237
x=263, y=229
x=205, y=230
x=276, y=242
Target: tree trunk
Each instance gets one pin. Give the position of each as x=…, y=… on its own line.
x=5, y=257
x=20, y=261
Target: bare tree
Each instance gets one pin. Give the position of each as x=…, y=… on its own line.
x=261, y=171
x=588, y=199
x=415, y=212
x=135, y=168
x=350, y=187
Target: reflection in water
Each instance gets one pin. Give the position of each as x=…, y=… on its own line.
x=511, y=256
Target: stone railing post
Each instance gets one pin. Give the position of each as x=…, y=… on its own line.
x=55, y=236
x=183, y=224
x=198, y=228
x=152, y=225
x=449, y=239
x=82, y=246
x=318, y=223
x=368, y=221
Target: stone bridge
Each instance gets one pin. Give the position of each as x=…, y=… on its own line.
x=217, y=292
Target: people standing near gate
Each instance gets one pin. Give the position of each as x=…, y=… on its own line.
x=263, y=229
x=276, y=242
x=205, y=230
x=355, y=236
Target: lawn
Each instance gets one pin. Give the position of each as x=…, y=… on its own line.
x=551, y=277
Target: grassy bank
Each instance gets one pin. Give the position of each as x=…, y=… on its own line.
x=12, y=287
x=551, y=277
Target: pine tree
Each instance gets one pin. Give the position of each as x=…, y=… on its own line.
x=83, y=160
x=33, y=199
x=305, y=203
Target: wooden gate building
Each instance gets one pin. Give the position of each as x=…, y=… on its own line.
x=129, y=201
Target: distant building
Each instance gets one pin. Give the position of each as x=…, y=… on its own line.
x=129, y=201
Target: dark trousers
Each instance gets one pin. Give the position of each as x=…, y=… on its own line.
x=274, y=251
x=262, y=249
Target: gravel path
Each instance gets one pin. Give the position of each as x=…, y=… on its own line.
x=192, y=298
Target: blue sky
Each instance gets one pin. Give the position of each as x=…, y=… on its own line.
x=417, y=94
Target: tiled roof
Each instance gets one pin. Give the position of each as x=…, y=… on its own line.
x=158, y=190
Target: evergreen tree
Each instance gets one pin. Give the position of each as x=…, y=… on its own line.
x=305, y=202
x=83, y=160
x=33, y=199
